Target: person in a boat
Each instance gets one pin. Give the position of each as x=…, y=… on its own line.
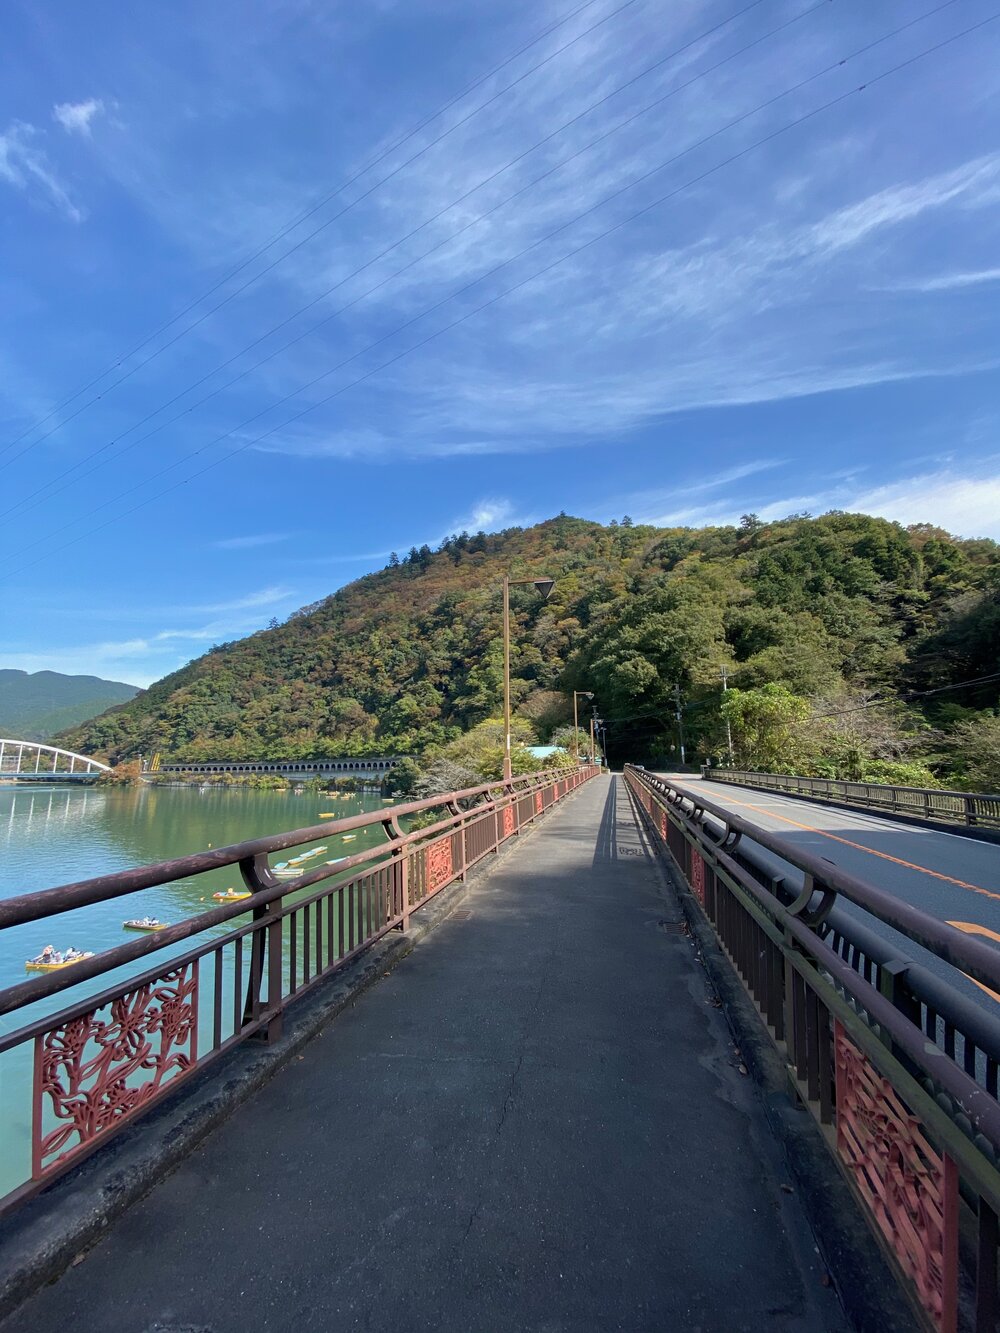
x=71, y=955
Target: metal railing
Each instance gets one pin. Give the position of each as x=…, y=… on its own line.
x=109, y=1056
x=931, y=803
x=883, y=1041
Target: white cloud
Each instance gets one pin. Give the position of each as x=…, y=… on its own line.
x=947, y=282
x=75, y=117
x=24, y=166
x=968, y=506
x=486, y=515
x=254, y=539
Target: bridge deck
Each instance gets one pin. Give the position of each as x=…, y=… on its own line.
x=534, y=1122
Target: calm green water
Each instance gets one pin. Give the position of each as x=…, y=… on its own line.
x=56, y=835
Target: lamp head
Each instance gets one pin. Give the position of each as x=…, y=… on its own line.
x=544, y=586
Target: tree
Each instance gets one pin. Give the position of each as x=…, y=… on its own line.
x=975, y=747
x=393, y=560
x=765, y=726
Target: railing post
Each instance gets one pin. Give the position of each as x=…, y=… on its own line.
x=404, y=889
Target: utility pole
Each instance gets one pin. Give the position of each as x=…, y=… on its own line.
x=729, y=730
x=680, y=720
x=592, y=738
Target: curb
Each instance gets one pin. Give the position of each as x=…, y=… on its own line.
x=48, y=1233
x=868, y=1289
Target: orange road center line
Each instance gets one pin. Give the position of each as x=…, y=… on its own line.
x=859, y=846
x=969, y=929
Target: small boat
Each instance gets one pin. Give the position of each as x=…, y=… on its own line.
x=144, y=923
x=290, y=872
x=328, y=814
x=349, y=837
x=231, y=896
x=336, y=860
x=50, y=960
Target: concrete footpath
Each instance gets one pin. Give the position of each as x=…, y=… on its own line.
x=536, y=1120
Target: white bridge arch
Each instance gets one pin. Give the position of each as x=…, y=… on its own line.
x=25, y=759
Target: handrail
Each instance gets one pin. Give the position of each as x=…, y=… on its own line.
x=974, y=809
x=296, y=933
x=978, y=959
x=898, y=1061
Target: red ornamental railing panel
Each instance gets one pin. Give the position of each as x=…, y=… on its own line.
x=911, y=1189
x=440, y=868
x=663, y=825
x=93, y=1072
x=538, y=802
x=508, y=821
x=698, y=876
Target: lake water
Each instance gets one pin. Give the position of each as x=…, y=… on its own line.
x=56, y=835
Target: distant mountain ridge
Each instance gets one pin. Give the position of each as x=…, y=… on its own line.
x=34, y=706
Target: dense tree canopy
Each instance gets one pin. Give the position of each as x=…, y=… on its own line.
x=815, y=619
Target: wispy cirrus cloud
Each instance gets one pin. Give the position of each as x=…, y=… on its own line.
x=251, y=540
x=25, y=166
x=948, y=282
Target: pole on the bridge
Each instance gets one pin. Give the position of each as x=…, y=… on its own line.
x=729, y=730
x=680, y=720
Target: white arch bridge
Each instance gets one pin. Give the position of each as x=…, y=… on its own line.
x=31, y=761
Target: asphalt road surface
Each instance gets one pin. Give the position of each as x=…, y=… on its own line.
x=949, y=876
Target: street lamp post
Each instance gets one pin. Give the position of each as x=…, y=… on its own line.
x=578, y=694
x=545, y=587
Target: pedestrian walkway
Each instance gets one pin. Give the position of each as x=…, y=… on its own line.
x=535, y=1121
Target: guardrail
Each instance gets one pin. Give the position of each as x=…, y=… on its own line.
x=978, y=809
x=884, y=1043
x=108, y=1057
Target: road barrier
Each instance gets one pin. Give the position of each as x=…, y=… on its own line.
x=884, y=1043
x=110, y=1056
x=976, y=809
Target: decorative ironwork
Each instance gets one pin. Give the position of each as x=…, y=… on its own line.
x=663, y=825
x=440, y=869
x=96, y=1072
x=910, y=1188
x=508, y=821
x=538, y=803
x=698, y=875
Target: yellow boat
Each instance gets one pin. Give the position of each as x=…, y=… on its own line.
x=146, y=923
x=328, y=814
x=36, y=965
x=230, y=896
x=349, y=837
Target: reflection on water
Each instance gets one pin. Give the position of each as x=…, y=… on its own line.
x=57, y=835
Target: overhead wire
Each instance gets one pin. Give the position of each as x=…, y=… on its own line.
x=471, y=284
x=741, y=153
x=51, y=487
x=268, y=268
x=310, y=212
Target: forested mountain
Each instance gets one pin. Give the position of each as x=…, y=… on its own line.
x=33, y=707
x=833, y=630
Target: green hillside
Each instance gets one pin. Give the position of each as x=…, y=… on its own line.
x=34, y=707
x=825, y=624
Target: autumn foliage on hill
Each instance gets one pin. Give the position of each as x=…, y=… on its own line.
x=854, y=616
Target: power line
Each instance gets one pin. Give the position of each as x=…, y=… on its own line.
x=51, y=487
x=302, y=217
x=909, y=696
x=237, y=291
x=743, y=152
x=249, y=421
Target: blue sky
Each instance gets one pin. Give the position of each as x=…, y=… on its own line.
x=462, y=335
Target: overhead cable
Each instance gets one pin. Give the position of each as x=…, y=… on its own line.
x=600, y=236
x=51, y=487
